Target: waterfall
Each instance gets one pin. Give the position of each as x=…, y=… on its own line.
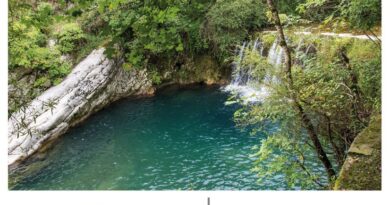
x=243, y=83
x=272, y=54
x=237, y=72
x=275, y=57
x=246, y=86
x=252, y=90
x=275, y=54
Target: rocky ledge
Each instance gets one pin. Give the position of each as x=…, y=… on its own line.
x=92, y=84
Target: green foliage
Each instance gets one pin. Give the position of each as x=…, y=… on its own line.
x=323, y=85
x=283, y=156
x=256, y=62
x=148, y=31
x=228, y=23
x=325, y=82
x=92, y=21
x=325, y=90
x=267, y=39
x=70, y=37
x=27, y=44
x=41, y=81
x=22, y=39
x=155, y=77
x=288, y=6
x=91, y=42
x=157, y=32
x=365, y=60
x=285, y=152
x=363, y=14
x=357, y=14
x=321, y=10
x=283, y=17
x=29, y=54
x=44, y=13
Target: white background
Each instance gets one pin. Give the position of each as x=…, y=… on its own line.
x=192, y=197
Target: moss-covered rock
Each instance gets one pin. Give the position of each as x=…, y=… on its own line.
x=362, y=168
x=198, y=69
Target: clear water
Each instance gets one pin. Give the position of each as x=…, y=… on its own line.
x=180, y=139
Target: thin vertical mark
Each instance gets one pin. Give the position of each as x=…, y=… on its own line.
x=208, y=200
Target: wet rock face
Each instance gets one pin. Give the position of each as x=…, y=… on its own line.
x=94, y=83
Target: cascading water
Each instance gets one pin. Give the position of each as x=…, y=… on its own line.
x=238, y=73
x=275, y=54
x=244, y=84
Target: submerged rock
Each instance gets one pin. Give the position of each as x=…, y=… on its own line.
x=93, y=83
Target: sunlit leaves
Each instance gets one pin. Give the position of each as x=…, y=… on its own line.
x=290, y=162
x=70, y=36
x=149, y=29
x=30, y=55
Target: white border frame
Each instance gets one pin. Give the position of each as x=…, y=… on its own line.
x=192, y=197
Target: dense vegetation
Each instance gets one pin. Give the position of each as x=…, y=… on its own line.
x=329, y=96
x=320, y=104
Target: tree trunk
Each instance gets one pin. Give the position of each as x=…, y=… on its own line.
x=339, y=153
x=354, y=79
x=308, y=125
x=373, y=40
x=359, y=109
x=376, y=37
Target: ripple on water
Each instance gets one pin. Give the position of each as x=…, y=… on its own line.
x=180, y=139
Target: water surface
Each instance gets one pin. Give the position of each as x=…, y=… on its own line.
x=180, y=139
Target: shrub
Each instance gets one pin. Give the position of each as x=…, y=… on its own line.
x=155, y=77
x=228, y=23
x=364, y=14
x=41, y=81
x=70, y=37
x=43, y=14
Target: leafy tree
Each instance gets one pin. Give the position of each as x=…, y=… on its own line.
x=150, y=30
x=363, y=14
x=319, y=105
x=229, y=22
x=320, y=10
x=283, y=155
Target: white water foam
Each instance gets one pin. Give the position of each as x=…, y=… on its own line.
x=247, y=94
x=246, y=87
